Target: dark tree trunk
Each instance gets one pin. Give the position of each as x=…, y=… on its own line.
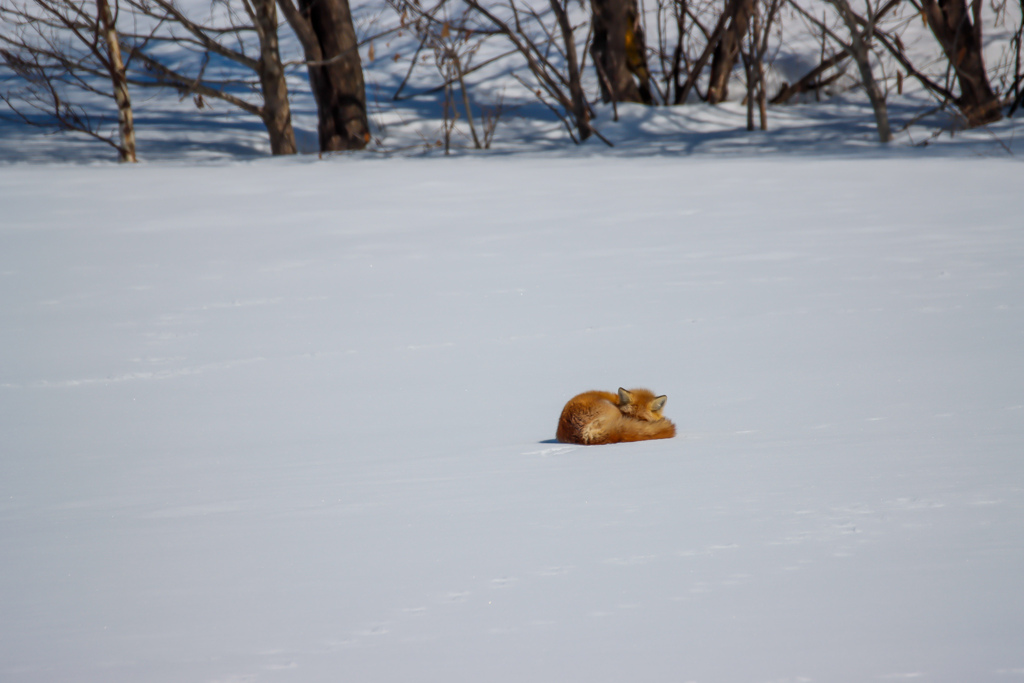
x=728, y=49
x=960, y=38
x=324, y=27
x=619, y=52
x=276, y=111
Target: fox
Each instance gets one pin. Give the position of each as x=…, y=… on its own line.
x=600, y=417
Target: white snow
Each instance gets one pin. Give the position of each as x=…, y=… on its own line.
x=292, y=420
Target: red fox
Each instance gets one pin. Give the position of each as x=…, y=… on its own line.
x=597, y=417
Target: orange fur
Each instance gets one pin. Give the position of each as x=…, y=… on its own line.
x=597, y=417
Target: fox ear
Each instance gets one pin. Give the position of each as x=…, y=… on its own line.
x=658, y=403
x=624, y=397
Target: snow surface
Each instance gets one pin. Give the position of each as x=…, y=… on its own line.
x=292, y=420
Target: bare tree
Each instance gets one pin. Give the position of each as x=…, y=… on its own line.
x=116, y=69
x=619, y=51
x=859, y=48
x=727, y=48
x=1017, y=42
x=892, y=43
x=857, y=45
x=57, y=45
x=276, y=111
x=959, y=33
x=578, y=99
x=1018, y=76
x=670, y=17
x=207, y=39
x=454, y=44
x=753, y=60
x=74, y=47
x=328, y=38
x=562, y=86
x=714, y=37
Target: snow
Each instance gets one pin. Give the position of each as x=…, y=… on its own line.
x=292, y=419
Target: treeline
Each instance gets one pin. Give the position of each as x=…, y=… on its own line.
x=64, y=57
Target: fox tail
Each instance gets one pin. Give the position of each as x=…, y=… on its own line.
x=629, y=429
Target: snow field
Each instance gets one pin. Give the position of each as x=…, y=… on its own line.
x=291, y=420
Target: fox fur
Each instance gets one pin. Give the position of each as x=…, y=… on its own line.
x=598, y=417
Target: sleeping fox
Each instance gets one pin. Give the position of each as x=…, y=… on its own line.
x=597, y=417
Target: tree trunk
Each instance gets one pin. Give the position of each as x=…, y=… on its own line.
x=115, y=65
x=580, y=109
x=619, y=52
x=728, y=49
x=276, y=112
x=338, y=80
x=861, y=53
x=860, y=56
x=324, y=27
x=960, y=39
